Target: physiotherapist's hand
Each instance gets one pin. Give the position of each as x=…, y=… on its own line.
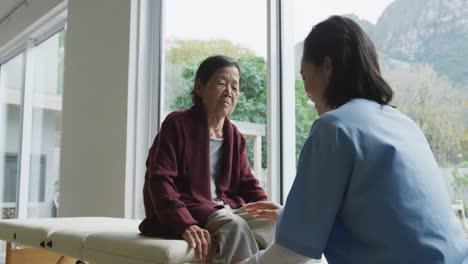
x=199, y=239
x=264, y=210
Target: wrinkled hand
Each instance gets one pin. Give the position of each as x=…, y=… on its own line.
x=264, y=210
x=199, y=239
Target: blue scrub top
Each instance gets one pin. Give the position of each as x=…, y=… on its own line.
x=368, y=190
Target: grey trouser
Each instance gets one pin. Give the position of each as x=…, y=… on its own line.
x=236, y=235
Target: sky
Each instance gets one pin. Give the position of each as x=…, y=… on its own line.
x=310, y=12
x=244, y=22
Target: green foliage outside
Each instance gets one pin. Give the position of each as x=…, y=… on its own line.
x=181, y=51
x=305, y=115
x=460, y=180
x=251, y=106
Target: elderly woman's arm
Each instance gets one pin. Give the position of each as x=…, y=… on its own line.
x=162, y=168
x=249, y=187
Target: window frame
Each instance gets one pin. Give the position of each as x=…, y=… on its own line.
x=143, y=112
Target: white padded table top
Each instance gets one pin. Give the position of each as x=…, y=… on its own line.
x=96, y=239
x=131, y=245
x=68, y=240
x=34, y=232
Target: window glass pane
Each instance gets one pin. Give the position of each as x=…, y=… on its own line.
x=46, y=127
x=11, y=89
x=423, y=53
x=198, y=29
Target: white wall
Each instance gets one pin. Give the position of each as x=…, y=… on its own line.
x=92, y=173
x=24, y=17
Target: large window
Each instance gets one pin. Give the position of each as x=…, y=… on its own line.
x=195, y=30
x=11, y=89
x=30, y=127
x=423, y=54
x=422, y=50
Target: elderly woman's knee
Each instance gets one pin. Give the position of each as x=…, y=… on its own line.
x=225, y=219
x=235, y=222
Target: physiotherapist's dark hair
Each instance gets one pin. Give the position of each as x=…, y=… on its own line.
x=355, y=66
x=208, y=67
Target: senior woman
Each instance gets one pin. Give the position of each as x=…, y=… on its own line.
x=198, y=176
x=367, y=189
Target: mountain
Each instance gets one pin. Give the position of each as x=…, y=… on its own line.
x=427, y=31
x=366, y=25
x=422, y=31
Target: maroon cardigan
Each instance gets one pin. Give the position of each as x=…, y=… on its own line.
x=177, y=181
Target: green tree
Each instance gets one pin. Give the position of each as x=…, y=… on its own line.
x=460, y=181
x=181, y=51
x=306, y=114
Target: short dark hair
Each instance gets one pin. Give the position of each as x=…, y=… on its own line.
x=208, y=67
x=355, y=66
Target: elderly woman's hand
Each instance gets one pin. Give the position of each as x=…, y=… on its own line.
x=199, y=239
x=264, y=209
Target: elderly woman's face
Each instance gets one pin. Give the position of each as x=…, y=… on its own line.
x=219, y=95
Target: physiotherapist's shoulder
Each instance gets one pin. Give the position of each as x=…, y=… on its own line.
x=329, y=121
x=335, y=127
x=344, y=114
x=359, y=113
x=329, y=131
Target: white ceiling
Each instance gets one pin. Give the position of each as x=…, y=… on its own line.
x=6, y=6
